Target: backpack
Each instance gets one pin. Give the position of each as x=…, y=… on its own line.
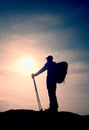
x=61, y=71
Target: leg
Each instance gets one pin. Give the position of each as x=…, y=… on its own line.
x=51, y=87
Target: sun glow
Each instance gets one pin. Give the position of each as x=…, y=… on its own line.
x=26, y=65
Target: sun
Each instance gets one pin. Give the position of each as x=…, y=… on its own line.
x=26, y=65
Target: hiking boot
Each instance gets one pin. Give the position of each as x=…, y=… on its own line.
x=51, y=110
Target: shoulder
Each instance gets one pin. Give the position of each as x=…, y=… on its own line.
x=46, y=64
x=54, y=62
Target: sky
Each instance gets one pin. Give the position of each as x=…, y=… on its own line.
x=30, y=30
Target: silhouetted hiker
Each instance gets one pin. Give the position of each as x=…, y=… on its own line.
x=51, y=82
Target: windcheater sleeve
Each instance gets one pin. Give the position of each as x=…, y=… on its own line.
x=42, y=70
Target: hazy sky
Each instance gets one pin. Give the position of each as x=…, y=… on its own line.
x=29, y=31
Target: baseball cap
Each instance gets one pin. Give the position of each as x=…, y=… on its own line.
x=49, y=57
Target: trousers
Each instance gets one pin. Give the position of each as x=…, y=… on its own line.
x=51, y=87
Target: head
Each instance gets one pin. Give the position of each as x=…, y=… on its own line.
x=49, y=58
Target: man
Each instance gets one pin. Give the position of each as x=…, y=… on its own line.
x=51, y=82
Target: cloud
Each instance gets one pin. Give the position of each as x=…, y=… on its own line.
x=55, y=29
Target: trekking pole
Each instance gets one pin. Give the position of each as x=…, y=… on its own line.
x=38, y=99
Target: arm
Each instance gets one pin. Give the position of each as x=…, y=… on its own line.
x=40, y=71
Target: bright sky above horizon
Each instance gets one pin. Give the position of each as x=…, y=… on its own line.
x=30, y=30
